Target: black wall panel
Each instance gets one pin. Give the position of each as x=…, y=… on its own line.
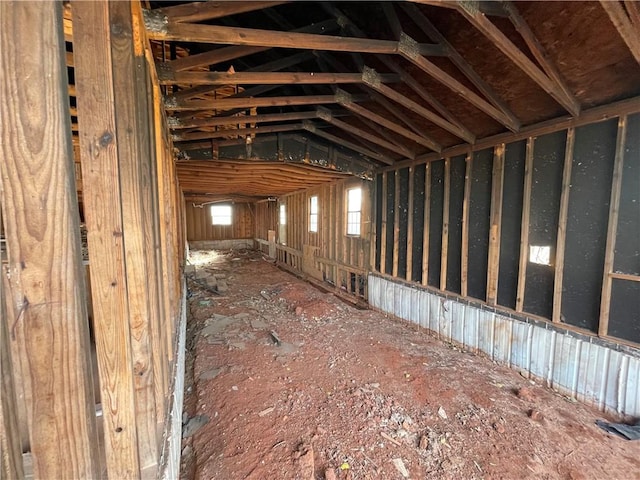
x=479, y=217
x=587, y=220
x=456, y=199
x=403, y=212
x=391, y=194
x=379, y=206
x=624, y=316
x=548, y=163
x=418, y=220
x=514, y=162
x=435, y=222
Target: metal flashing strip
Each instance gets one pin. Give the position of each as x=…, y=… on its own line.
x=589, y=369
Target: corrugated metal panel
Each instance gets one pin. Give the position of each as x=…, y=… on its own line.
x=594, y=374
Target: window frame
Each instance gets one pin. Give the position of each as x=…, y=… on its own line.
x=314, y=216
x=218, y=216
x=348, y=212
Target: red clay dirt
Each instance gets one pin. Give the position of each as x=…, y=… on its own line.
x=354, y=394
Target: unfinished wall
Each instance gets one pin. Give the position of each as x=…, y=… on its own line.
x=200, y=227
x=573, y=190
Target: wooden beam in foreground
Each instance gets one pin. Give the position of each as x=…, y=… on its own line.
x=629, y=31
x=200, y=11
x=264, y=78
x=45, y=284
x=500, y=40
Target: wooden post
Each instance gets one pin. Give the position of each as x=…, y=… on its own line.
x=396, y=222
x=425, y=229
x=497, y=182
x=524, y=228
x=614, y=208
x=409, y=275
x=383, y=233
x=99, y=148
x=11, y=452
x=464, y=249
x=46, y=283
x=562, y=227
x=445, y=224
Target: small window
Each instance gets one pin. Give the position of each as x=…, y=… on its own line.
x=354, y=210
x=313, y=213
x=540, y=254
x=221, y=214
x=283, y=214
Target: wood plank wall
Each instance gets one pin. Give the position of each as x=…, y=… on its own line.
x=563, y=188
x=199, y=226
x=131, y=197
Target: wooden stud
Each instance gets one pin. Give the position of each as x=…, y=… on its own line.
x=444, y=254
x=524, y=228
x=383, y=232
x=396, y=223
x=612, y=229
x=427, y=227
x=105, y=227
x=624, y=24
x=409, y=275
x=495, y=224
x=466, y=203
x=562, y=227
x=42, y=227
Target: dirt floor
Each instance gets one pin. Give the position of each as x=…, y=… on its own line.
x=287, y=382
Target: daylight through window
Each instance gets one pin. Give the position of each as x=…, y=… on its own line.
x=354, y=210
x=313, y=213
x=221, y=214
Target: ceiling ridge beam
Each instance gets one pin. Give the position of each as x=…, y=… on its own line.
x=346, y=100
x=312, y=128
x=371, y=78
x=169, y=77
x=201, y=11
x=459, y=61
x=624, y=24
x=226, y=54
x=480, y=21
x=326, y=115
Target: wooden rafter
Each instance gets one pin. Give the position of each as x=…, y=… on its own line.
x=326, y=115
x=628, y=24
x=200, y=11
x=375, y=81
x=312, y=128
x=226, y=54
x=506, y=46
x=176, y=123
x=229, y=103
x=346, y=100
x=243, y=132
x=539, y=52
x=262, y=78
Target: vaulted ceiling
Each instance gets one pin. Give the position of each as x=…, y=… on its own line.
x=354, y=86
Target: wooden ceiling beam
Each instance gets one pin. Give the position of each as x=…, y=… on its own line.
x=506, y=46
x=201, y=11
x=326, y=115
x=371, y=78
x=274, y=66
x=345, y=99
x=226, y=54
x=175, y=123
x=261, y=78
x=186, y=137
x=634, y=12
x=539, y=53
x=312, y=128
x=229, y=103
x=624, y=23
x=458, y=60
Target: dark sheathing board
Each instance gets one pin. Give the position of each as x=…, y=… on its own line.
x=390, y=206
x=514, y=162
x=587, y=219
x=418, y=221
x=627, y=256
x=479, y=212
x=378, y=207
x=456, y=199
x=548, y=164
x=435, y=222
x=403, y=212
x=624, y=315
